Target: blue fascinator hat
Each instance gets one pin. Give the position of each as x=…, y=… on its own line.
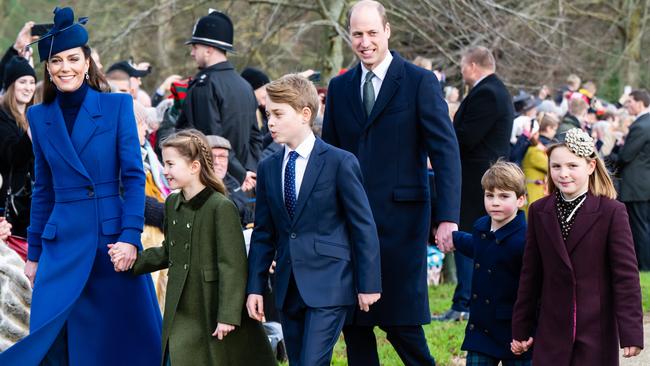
x=64, y=35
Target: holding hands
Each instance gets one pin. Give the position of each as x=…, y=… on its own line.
x=443, y=238
x=519, y=347
x=123, y=255
x=365, y=300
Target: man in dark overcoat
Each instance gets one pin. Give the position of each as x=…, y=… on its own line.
x=219, y=101
x=392, y=116
x=483, y=126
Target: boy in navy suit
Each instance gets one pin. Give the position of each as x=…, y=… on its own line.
x=497, y=247
x=313, y=216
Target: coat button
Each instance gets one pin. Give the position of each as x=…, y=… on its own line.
x=498, y=241
x=189, y=225
x=185, y=267
x=173, y=222
x=293, y=235
x=489, y=271
x=483, y=236
x=471, y=327
x=487, y=302
x=477, y=265
x=171, y=243
x=187, y=246
x=91, y=191
x=486, y=331
x=475, y=296
x=171, y=263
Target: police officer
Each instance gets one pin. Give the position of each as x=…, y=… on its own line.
x=219, y=101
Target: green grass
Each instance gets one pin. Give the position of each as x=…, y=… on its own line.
x=445, y=339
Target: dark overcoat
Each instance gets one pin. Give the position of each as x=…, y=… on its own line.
x=584, y=295
x=497, y=264
x=89, y=192
x=206, y=256
x=634, y=162
x=483, y=125
x=408, y=123
x=220, y=102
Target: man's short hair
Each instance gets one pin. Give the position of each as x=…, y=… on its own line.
x=547, y=120
x=481, y=56
x=574, y=81
x=504, y=176
x=118, y=74
x=296, y=91
x=377, y=5
x=641, y=96
x=577, y=106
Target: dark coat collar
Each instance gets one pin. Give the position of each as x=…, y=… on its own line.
x=224, y=65
x=484, y=224
x=195, y=202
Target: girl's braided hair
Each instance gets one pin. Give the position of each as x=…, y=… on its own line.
x=193, y=145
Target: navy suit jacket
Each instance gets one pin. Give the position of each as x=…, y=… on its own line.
x=497, y=264
x=330, y=246
x=408, y=123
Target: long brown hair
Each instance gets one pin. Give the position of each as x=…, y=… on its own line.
x=193, y=145
x=11, y=106
x=600, y=182
x=96, y=79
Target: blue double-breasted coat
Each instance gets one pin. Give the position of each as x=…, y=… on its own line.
x=89, y=192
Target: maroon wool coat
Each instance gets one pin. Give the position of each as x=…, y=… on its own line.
x=595, y=273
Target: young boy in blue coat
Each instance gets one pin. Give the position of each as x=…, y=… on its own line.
x=497, y=247
x=313, y=217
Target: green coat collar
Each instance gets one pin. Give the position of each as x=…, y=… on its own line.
x=195, y=202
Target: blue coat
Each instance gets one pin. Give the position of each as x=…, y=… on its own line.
x=497, y=264
x=89, y=192
x=409, y=122
x=332, y=224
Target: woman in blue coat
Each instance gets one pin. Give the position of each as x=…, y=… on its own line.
x=88, y=193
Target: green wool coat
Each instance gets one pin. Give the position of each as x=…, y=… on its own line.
x=206, y=256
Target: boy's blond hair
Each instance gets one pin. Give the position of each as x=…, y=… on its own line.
x=296, y=91
x=504, y=176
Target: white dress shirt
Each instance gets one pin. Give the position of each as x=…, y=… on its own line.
x=380, y=74
x=303, y=150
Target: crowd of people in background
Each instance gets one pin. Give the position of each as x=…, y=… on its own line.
x=425, y=151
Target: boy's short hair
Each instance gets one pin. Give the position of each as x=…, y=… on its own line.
x=504, y=176
x=577, y=106
x=547, y=120
x=296, y=91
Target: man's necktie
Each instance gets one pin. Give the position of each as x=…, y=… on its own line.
x=290, y=184
x=368, y=93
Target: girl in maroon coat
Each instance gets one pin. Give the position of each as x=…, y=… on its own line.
x=579, y=291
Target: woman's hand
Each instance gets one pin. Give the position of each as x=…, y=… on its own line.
x=222, y=330
x=519, y=347
x=631, y=351
x=5, y=229
x=123, y=255
x=30, y=271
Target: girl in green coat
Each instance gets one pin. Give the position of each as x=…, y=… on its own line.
x=206, y=256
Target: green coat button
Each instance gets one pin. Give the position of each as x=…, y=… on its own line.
x=185, y=267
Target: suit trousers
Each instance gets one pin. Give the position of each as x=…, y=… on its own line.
x=309, y=333
x=58, y=353
x=639, y=213
x=408, y=340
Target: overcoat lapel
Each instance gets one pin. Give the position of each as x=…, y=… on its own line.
x=312, y=171
x=552, y=228
x=59, y=139
x=586, y=218
x=87, y=121
x=354, y=85
x=389, y=87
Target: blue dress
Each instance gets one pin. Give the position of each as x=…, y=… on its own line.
x=89, y=192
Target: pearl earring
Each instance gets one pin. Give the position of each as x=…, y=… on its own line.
x=87, y=77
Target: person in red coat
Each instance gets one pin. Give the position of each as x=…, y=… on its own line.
x=579, y=293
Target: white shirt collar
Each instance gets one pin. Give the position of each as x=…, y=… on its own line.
x=645, y=111
x=304, y=149
x=479, y=80
x=380, y=70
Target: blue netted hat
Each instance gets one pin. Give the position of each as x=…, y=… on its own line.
x=64, y=35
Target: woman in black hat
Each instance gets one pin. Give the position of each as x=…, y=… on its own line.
x=88, y=193
x=16, y=157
